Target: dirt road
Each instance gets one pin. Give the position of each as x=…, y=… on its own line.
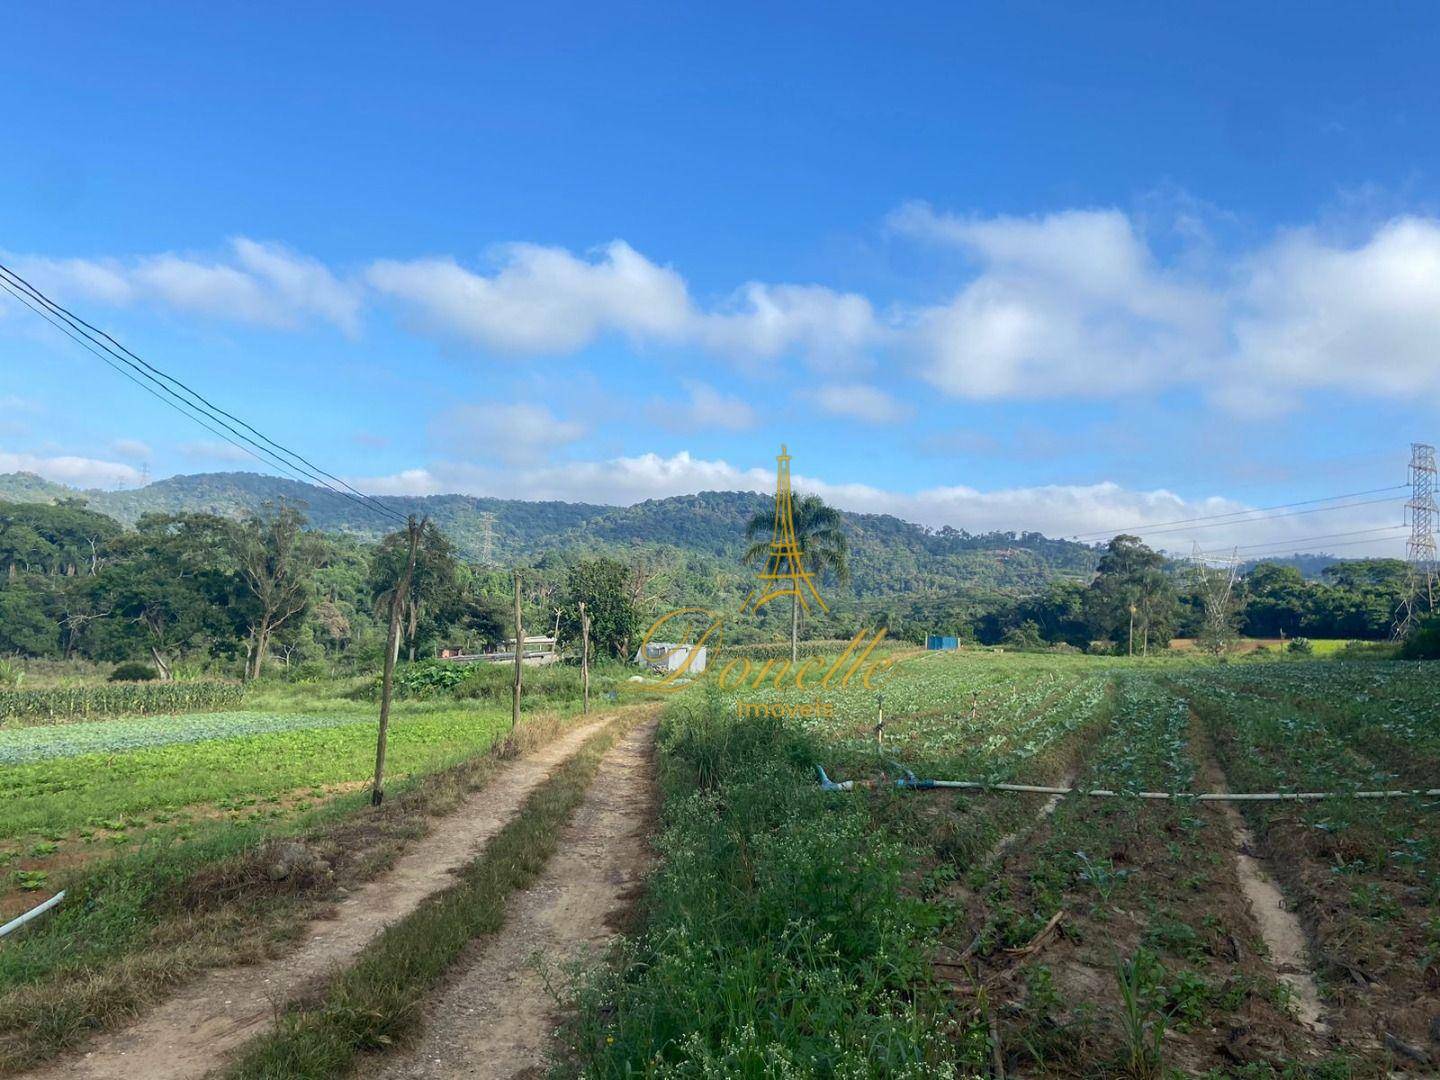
x=194, y=1031
x=494, y=1017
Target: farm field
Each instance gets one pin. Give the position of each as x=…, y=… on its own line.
x=171, y=835
x=886, y=931
x=74, y=793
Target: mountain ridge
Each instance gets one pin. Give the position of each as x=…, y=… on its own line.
x=888, y=554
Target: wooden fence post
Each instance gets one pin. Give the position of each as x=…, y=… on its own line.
x=519, y=657
x=397, y=600
x=584, y=658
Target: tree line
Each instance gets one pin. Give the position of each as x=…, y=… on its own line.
x=265, y=590
x=1139, y=596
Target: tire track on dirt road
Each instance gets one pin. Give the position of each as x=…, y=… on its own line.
x=193, y=1031
x=495, y=1015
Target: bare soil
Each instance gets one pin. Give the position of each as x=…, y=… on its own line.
x=1187, y=898
x=192, y=1032
x=1278, y=925
x=495, y=1016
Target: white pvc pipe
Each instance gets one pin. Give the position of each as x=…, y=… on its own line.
x=913, y=783
x=1214, y=796
x=39, y=909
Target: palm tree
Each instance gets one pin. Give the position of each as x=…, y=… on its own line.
x=820, y=534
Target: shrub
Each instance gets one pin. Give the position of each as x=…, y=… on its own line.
x=1367, y=650
x=131, y=671
x=427, y=678
x=1423, y=642
x=1301, y=646
x=1024, y=638
x=310, y=671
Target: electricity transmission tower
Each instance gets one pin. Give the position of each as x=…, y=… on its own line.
x=1216, y=586
x=487, y=541
x=784, y=573
x=1420, y=548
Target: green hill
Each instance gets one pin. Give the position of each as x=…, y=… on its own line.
x=889, y=555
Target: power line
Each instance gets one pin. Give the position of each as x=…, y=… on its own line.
x=1308, y=540
x=200, y=404
x=190, y=402
x=1239, y=515
x=1289, y=549
x=1271, y=517
x=178, y=405
x=181, y=407
x=209, y=405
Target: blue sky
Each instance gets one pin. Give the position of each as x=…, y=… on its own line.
x=1027, y=266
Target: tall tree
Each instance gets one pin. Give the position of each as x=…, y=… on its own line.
x=276, y=560
x=174, y=581
x=433, y=582
x=602, y=585
x=820, y=536
x=1131, y=584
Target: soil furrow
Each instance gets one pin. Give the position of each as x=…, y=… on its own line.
x=1279, y=928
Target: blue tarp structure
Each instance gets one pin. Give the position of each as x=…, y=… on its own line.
x=941, y=641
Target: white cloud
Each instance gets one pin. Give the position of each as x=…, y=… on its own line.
x=1056, y=510
x=134, y=449
x=545, y=300
x=80, y=472
x=260, y=283
x=706, y=409
x=617, y=481
x=517, y=432
x=407, y=482
x=765, y=322
x=1363, y=318
x=541, y=299
x=859, y=401
x=14, y=403
x=1071, y=303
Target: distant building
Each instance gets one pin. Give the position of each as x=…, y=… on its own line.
x=538, y=649
x=668, y=656
x=458, y=654
x=941, y=641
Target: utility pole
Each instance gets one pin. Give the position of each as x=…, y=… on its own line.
x=1420, y=548
x=398, y=596
x=584, y=658
x=519, y=657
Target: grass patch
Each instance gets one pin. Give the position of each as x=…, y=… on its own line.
x=378, y=1000
x=779, y=941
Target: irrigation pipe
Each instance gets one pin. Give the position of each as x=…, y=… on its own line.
x=910, y=781
x=38, y=909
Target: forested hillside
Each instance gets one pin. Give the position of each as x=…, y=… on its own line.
x=238, y=586
x=888, y=556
